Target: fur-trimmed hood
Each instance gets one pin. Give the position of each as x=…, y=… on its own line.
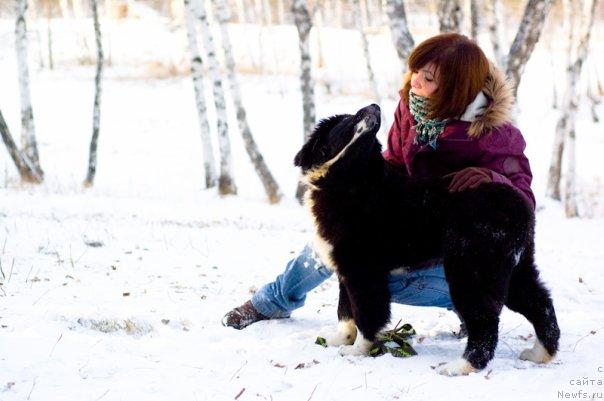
x=492, y=107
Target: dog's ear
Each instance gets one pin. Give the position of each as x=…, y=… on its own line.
x=311, y=150
x=304, y=157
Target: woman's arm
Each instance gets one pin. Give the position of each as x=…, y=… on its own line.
x=502, y=152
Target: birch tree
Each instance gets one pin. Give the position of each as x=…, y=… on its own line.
x=303, y=25
x=339, y=14
x=399, y=30
x=566, y=123
x=526, y=38
x=28, y=131
x=270, y=185
x=96, y=109
x=198, y=87
x=280, y=12
x=450, y=15
x=365, y=45
x=27, y=171
x=494, y=21
x=574, y=71
x=367, y=56
x=595, y=91
x=226, y=183
x=48, y=9
x=555, y=168
x=474, y=19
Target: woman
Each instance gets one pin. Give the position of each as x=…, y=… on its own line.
x=453, y=120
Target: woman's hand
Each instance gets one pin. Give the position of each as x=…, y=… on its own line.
x=469, y=177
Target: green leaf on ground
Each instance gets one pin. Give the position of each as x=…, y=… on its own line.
x=395, y=342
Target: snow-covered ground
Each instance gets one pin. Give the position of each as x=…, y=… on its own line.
x=116, y=292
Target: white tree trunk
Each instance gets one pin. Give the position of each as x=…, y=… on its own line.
x=226, y=183
x=399, y=30
x=24, y=166
x=80, y=16
x=303, y=25
x=363, y=12
x=280, y=12
x=240, y=11
x=318, y=14
x=555, y=82
x=270, y=185
x=268, y=14
x=562, y=126
x=450, y=15
x=570, y=187
x=202, y=112
x=526, y=38
x=495, y=25
x=474, y=19
x=65, y=11
x=28, y=131
x=339, y=13
x=367, y=56
x=96, y=111
x=260, y=17
x=595, y=101
x=51, y=62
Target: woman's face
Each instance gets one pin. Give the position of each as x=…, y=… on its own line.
x=423, y=81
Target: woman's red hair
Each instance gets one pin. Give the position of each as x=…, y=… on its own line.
x=461, y=71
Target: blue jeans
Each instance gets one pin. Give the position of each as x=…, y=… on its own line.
x=426, y=287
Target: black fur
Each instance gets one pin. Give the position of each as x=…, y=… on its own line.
x=378, y=219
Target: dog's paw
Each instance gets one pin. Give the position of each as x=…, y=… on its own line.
x=337, y=339
x=354, y=350
x=457, y=367
x=537, y=354
x=360, y=347
x=345, y=334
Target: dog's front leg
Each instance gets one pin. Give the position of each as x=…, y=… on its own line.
x=347, y=331
x=370, y=306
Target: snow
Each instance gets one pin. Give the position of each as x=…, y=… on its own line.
x=137, y=317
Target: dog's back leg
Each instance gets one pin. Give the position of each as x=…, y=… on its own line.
x=529, y=297
x=347, y=331
x=370, y=306
x=478, y=282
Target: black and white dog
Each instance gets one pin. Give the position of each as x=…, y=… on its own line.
x=371, y=219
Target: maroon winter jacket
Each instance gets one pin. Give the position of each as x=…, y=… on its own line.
x=482, y=137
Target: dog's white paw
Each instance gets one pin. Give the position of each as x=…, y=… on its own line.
x=360, y=347
x=354, y=350
x=457, y=367
x=345, y=334
x=337, y=339
x=537, y=354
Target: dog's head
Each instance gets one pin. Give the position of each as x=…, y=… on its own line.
x=335, y=137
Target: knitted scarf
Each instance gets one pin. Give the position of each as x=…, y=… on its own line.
x=428, y=130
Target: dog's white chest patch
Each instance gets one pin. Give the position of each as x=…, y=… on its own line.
x=323, y=249
x=320, y=245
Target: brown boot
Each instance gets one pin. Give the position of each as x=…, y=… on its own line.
x=242, y=316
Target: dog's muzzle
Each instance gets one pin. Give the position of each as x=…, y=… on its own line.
x=371, y=118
